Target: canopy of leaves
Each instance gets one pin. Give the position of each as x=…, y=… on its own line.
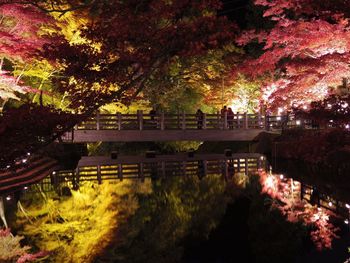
x=127, y=42
x=305, y=53
x=77, y=228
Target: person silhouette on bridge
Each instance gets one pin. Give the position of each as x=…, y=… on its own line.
x=199, y=117
x=153, y=121
x=230, y=115
x=223, y=114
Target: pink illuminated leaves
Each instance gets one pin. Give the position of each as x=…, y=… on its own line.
x=9, y=87
x=296, y=210
x=12, y=251
x=308, y=55
x=19, y=31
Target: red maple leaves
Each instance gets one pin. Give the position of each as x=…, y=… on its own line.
x=305, y=52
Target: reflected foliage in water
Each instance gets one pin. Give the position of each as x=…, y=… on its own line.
x=178, y=219
x=78, y=227
x=176, y=208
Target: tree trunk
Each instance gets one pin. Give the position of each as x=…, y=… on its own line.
x=2, y=212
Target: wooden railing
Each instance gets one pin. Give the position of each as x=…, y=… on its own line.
x=182, y=121
x=163, y=166
x=154, y=168
x=117, y=127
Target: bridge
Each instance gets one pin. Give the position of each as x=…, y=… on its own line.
x=117, y=168
x=104, y=168
x=173, y=127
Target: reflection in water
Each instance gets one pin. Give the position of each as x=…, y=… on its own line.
x=170, y=218
x=287, y=195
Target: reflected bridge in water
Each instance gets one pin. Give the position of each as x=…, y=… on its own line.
x=102, y=168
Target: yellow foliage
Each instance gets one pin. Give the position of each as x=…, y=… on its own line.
x=79, y=227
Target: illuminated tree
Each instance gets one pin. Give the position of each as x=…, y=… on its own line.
x=79, y=227
x=11, y=249
x=188, y=82
x=333, y=112
x=296, y=210
x=21, y=38
x=176, y=208
x=136, y=42
x=305, y=52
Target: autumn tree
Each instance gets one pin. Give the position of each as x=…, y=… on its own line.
x=129, y=42
x=304, y=53
x=190, y=82
x=22, y=36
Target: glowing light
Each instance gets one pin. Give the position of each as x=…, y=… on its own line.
x=54, y=172
x=24, y=160
x=347, y=206
x=270, y=182
x=281, y=176
x=8, y=166
x=347, y=126
x=279, y=111
x=330, y=204
x=329, y=106
x=305, y=107
x=298, y=122
x=25, y=188
x=346, y=221
x=316, y=217
x=8, y=198
x=28, y=154
x=262, y=157
x=345, y=105
x=278, y=118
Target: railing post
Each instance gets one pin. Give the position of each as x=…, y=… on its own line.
x=141, y=174
x=140, y=119
x=97, y=120
x=99, y=179
x=225, y=120
x=266, y=122
x=76, y=178
x=72, y=137
x=120, y=172
x=259, y=162
x=218, y=120
x=162, y=126
x=246, y=167
x=204, y=126
x=184, y=167
x=183, y=121
x=225, y=170
x=119, y=121
x=163, y=168
x=205, y=167
x=245, y=121
x=259, y=121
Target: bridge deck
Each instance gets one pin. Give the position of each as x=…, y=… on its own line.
x=165, y=135
x=172, y=127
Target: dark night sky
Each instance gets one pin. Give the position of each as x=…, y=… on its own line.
x=235, y=10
